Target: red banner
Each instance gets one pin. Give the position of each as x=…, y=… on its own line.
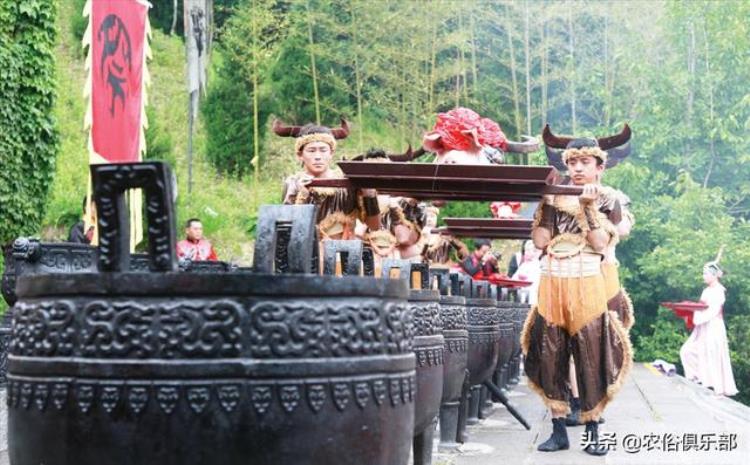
x=118, y=42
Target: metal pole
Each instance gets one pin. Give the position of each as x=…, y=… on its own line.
x=191, y=118
x=504, y=400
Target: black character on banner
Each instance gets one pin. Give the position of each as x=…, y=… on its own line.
x=117, y=56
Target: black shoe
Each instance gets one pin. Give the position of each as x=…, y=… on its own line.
x=592, y=433
x=559, y=438
x=574, y=417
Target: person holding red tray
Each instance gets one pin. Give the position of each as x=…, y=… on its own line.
x=705, y=355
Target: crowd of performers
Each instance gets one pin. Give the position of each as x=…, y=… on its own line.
x=575, y=339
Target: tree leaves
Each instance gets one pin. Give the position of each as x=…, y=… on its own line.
x=28, y=139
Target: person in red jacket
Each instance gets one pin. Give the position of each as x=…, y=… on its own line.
x=195, y=247
x=482, y=262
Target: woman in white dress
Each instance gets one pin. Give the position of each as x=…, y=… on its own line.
x=705, y=355
x=529, y=269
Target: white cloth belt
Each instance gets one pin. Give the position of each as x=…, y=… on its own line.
x=578, y=266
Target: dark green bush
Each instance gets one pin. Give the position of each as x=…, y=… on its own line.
x=28, y=136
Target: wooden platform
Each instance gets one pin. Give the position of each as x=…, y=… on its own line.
x=430, y=181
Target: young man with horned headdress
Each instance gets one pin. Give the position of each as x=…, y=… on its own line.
x=571, y=317
x=619, y=214
x=705, y=355
x=338, y=208
x=617, y=148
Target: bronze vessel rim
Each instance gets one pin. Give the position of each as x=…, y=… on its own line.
x=231, y=284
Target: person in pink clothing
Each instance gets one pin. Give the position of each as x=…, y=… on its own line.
x=195, y=247
x=705, y=355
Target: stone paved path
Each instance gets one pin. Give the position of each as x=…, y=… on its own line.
x=650, y=411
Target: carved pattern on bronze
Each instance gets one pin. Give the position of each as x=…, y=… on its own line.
x=228, y=395
x=482, y=316
x=44, y=329
x=456, y=345
x=110, y=182
x=429, y=357
x=484, y=338
x=426, y=318
x=453, y=316
x=291, y=330
x=190, y=329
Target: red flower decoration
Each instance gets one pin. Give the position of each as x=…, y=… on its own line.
x=463, y=129
x=514, y=207
x=491, y=134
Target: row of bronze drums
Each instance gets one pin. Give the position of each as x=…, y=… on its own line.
x=276, y=364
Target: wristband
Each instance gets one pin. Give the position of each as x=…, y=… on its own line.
x=591, y=220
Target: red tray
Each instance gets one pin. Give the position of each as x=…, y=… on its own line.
x=684, y=310
x=507, y=282
x=685, y=306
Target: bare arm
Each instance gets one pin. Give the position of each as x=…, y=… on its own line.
x=461, y=250
x=287, y=194
x=541, y=237
x=544, y=224
x=598, y=239
x=373, y=222
x=596, y=236
x=625, y=226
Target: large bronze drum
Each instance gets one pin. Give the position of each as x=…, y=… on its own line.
x=506, y=316
x=522, y=311
x=428, y=348
x=160, y=367
x=484, y=337
x=453, y=316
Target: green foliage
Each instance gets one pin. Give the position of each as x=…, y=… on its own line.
x=3, y=305
x=666, y=336
x=249, y=40
x=227, y=116
x=71, y=171
x=161, y=14
x=291, y=86
x=465, y=210
x=158, y=140
x=78, y=22
x=676, y=233
x=678, y=74
x=28, y=138
x=738, y=331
